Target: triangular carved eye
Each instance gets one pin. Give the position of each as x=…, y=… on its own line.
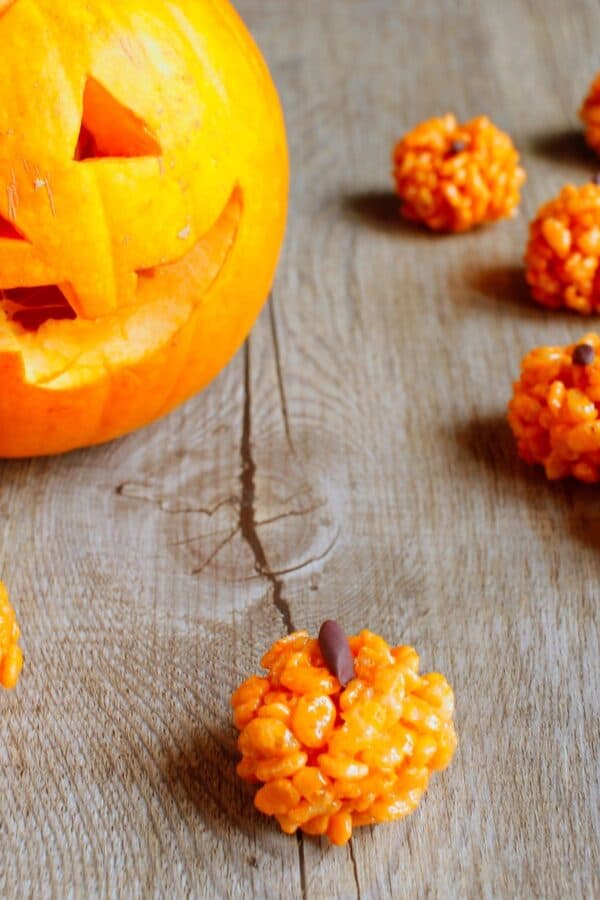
x=8, y=232
x=109, y=129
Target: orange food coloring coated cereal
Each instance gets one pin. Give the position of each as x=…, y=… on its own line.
x=267, y=739
x=341, y=757
x=453, y=177
x=554, y=410
x=313, y=720
x=11, y=657
x=564, y=250
x=590, y=115
x=339, y=829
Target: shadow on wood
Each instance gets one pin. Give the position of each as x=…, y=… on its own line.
x=584, y=518
x=491, y=442
x=567, y=147
x=505, y=284
x=201, y=769
x=380, y=210
x=506, y=291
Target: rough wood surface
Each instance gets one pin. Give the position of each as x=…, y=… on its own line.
x=352, y=461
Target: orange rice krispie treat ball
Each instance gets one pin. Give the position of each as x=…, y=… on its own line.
x=564, y=250
x=554, y=410
x=452, y=177
x=341, y=732
x=11, y=658
x=590, y=115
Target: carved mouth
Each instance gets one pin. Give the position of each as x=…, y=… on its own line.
x=56, y=347
x=33, y=307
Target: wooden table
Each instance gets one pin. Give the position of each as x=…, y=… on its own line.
x=352, y=461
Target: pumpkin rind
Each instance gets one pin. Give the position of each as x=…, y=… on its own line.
x=165, y=257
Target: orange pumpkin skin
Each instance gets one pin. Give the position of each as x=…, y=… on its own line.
x=143, y=198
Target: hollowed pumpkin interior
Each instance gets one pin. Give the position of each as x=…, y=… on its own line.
x=33, y=307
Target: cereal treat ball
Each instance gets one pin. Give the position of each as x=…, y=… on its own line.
x=341, y=732
x=554, y=410
x=564, y=249
x=453, y=177
x=11, y=658
x=590, y=115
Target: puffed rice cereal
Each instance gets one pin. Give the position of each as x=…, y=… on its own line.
x=452, y=177
x=331, y=756
x=11, y=658
x=554, y=410
x=564, y=250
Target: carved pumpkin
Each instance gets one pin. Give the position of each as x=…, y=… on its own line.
x=143, y=194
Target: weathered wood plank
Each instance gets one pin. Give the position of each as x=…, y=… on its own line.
x=352, y=461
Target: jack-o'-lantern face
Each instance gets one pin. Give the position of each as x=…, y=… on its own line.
x=143, y=187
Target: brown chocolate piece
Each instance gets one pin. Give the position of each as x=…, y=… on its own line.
x=336, y=652
x=583, y=355
x=458, y=146
x=595, y=179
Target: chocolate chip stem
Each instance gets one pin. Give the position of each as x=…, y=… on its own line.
x=336, y=652
x=458, y=146
x=583, y=355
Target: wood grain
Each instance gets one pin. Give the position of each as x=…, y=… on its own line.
x=352, y=461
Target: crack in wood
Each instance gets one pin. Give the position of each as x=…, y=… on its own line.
x=209, y=535
x=221, y=546
x=302, y=864
x=247, y=522
x=248, y=528
x=292, y=514
x=259, y=524
x=355, y=871
x=143, y=492
x=280, y=382
x=277, y=573
x=136, y=490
